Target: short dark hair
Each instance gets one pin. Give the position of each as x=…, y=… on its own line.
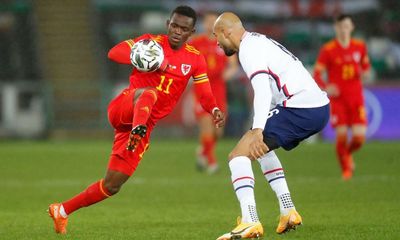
x=186, y=11
x=341, y=17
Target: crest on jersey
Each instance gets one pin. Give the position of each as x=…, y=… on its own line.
x=185, y=68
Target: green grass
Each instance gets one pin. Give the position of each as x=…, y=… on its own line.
x=167, y=199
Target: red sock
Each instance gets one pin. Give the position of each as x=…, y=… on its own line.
x=143, y=106
x=208, y=143
x=342, y=150
x=93, y=194
x=356, y=143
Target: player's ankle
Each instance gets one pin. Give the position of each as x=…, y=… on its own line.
x=62, y=212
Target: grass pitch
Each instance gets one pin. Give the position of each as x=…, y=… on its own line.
x=168, y=199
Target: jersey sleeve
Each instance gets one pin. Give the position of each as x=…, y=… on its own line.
x=202, y=88
x=320, y=66
x=262, y=100
x=252, y=57
x=120, y=53
x=365, y=63
x=255, y=63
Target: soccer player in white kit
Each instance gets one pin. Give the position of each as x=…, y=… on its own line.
x=288, y=108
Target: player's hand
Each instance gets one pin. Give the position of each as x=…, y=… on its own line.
x=332, y=90
x=257, y=146
x=219, y=118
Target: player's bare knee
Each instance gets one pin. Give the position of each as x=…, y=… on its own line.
x=114, y=181
x=112, y=188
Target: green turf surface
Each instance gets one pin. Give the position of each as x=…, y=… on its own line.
x=167, y=199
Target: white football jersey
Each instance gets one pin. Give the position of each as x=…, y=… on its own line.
x=291, y=84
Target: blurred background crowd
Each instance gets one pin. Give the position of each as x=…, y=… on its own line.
x=56, y=80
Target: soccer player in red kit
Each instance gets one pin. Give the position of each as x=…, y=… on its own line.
x=150, y=97
x=346, y=62
x=220, y=69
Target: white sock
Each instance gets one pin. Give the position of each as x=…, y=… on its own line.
x=62, y=212
x=243, y=184
x=273, y=172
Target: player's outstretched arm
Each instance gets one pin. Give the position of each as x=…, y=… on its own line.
x=206, y=98
x=120, y=53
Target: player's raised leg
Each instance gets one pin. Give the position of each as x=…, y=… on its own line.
x=144, y=101
x=130, y=111
x=243, y=183
x=274, y=173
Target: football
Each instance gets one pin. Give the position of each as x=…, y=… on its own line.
x=147, y=55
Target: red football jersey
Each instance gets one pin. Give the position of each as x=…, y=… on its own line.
x=345, y=65
x=183, y=64
x=214, y=55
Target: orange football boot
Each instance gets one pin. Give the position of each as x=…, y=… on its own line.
x=252, y=230
x=60, y=223
x=289, y=221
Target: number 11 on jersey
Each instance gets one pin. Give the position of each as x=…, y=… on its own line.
x=164, y=87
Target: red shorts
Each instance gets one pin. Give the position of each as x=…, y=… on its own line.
x=120, y=115
x=347, y=112
x=219, y=92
